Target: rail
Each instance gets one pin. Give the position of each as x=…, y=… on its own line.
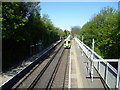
x=15, y=78
x=109, y=74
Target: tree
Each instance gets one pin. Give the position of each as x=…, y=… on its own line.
x=23, y=27
x=13, y=19
x=75, y=30
x=104, y=28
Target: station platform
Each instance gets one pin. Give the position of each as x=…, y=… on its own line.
x=79, y=76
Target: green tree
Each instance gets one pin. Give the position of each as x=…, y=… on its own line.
x=13, y=19
x=22, y=26
x=75, y=30
x=104, y=28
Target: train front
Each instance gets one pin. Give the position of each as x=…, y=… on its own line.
x=67, y=44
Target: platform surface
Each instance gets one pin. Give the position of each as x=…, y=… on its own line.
x=80, y=78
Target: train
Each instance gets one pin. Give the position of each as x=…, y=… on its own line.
x=67, y=42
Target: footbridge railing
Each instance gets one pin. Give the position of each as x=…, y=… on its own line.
x=109, y=74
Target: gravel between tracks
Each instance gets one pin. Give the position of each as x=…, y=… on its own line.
x=43, y=82
x=61, y=77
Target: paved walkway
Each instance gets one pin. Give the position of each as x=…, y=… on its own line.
x=80, y=78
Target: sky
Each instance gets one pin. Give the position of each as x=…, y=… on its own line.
x=68, y=14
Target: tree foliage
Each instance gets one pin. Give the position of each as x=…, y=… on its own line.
x=75, y=30
x=22, y=26
x=66, y=33
x=105, y=29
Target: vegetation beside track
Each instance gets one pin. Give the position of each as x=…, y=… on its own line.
x=25, y=32
x=104, y=27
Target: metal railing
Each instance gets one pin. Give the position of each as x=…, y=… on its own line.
x=109, y=74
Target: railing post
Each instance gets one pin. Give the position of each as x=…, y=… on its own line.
x=118, y=75
x=82, y=45
x=106, y=72
x=93, y=44
x=92, y=72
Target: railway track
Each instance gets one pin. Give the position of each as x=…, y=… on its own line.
x=44, y=74
x=60, y=79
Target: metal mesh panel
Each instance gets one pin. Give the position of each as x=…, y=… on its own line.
x=102, y=70
x=111, y=78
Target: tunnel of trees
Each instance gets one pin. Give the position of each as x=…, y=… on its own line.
x=23, y=26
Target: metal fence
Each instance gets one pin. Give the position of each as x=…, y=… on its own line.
x=109, y=74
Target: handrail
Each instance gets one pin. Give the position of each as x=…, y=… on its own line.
x=105, y=70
